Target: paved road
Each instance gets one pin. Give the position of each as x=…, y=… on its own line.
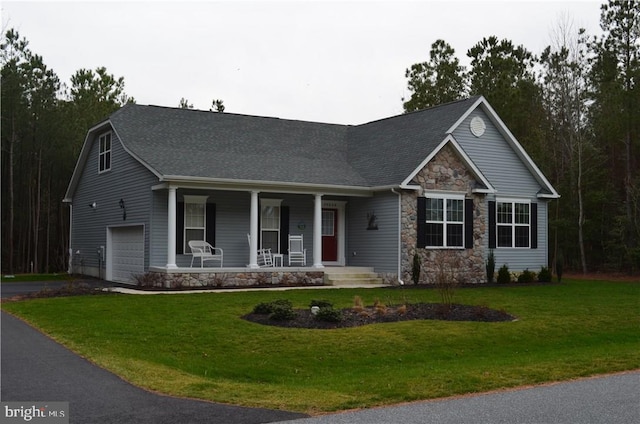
x=613, y=399
x=35, y=368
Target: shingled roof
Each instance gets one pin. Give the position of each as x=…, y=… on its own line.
x=205, y=145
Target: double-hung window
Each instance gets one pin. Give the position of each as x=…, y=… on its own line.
x=195, y=219
x=270, y=211
x=445, y=221
x=513, y=223
x=104, y=155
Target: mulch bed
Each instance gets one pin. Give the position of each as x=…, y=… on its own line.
x=370, y=315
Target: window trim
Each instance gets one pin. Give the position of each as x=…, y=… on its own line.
x=513, y=224
x=444, y=196
x=106, y=153
x=199, y=200
x=276, y=203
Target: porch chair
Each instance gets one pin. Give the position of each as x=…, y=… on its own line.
x=265, y=258
x=203, y=250
x=297, y=252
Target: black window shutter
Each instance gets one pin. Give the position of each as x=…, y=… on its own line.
x=210, y=212
x=534, y=225
x=492, y=225
x=468, y=223
x=180, y=228
x=284, y=229
x=422, y=222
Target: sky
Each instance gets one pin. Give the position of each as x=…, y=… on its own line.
x=323, y=61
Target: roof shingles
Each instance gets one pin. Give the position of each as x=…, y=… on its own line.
x=199, y=144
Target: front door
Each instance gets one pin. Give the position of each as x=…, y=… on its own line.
x=329, y=235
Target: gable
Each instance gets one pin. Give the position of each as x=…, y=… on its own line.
x=499, y=155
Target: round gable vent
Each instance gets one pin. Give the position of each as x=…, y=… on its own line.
x=477, y=126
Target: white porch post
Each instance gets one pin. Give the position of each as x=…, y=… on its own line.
x=317, y=232
x=253, y=233
x=171, y=228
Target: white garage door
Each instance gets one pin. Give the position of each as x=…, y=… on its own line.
x=127, y=253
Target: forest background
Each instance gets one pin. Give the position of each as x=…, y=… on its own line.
x=575, y=107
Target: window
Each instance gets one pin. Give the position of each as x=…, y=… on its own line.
x=270, y=224
x=513, y=224
x=195, y=221
x=104, y=156
x=445, y=222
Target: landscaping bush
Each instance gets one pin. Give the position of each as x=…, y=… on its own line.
x=544, y=276
x=280, y=310
x=321, y=303
x=490, y=266
x=504, y=276
x=415, y=269
x=327, y=313
x=527, y=276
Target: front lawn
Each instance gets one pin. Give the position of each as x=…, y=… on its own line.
x=197, y=345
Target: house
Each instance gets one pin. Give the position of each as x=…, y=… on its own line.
x=450, y=180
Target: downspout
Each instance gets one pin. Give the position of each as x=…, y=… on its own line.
x=399, y=236
x=69, y=265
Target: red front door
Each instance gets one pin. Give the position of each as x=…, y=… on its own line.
x=329, y=235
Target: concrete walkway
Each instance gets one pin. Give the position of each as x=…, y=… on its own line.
x=612, y=399
x=126, y=290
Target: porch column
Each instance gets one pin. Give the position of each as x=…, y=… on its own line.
x=171, y=228
x=253, y=233
x=317, y=232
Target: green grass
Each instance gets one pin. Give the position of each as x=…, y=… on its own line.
x=197, y=345
x=18, y=278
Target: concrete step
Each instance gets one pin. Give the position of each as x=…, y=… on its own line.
x=351, y=276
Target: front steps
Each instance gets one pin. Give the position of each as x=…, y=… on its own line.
x=351, y=277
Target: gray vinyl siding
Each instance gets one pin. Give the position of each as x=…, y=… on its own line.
x=509, y=175
x=373, y=248
x=159, y=228
x=127, y=180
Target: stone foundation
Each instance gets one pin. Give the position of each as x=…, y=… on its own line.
x=234, y=279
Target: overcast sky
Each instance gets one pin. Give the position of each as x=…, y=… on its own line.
x=325, y=61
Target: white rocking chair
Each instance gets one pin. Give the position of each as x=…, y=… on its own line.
x=265, y=258
x=203, y=250
x=297, y=252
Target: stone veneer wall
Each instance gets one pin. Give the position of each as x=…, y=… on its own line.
x=444, y=172
x=238, y=279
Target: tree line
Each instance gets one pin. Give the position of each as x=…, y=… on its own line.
x=574, y=107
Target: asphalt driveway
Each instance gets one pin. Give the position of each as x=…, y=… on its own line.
x=36, y=368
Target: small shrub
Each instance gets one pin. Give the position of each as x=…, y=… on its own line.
x=282, y=311
x=149, y=279
x=321, y=303
x=490, y=266
x=358, y=305
x=272, y=307
x=504, y=277
x=526, y=276
x=402, y=309
x=415, y=269
x=544, y=276
x=328, y=314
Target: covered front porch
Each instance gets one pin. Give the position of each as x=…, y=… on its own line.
x=242, y=223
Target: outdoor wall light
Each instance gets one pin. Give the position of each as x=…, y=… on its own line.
x=124, y=210
x=93, y=205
